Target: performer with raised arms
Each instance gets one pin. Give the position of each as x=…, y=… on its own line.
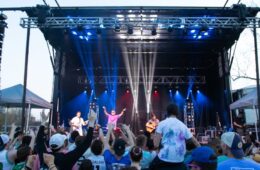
x=113, y=117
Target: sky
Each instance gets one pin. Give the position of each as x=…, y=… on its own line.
x=40, y=73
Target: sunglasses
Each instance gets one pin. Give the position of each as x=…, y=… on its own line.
x=194, y=167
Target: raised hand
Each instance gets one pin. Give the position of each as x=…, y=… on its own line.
x=30, y=161
x=48, y=160
x=92, y=118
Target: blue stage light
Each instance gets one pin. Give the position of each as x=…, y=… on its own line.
x=199, y=37
x=192, y=31
x=194, y=36
x=101, y=26
x=74, y=32
x=81, y=37
x=86, y=38
x=170, y=91
x=182, y=26
x=206, y=33
x=89, y=33
x=211, y=28
x=198, y=91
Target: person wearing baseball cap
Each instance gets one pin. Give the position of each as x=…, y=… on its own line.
x=7, y=157
x=231, y=144
x=203, y=158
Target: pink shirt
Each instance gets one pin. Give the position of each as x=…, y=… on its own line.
x=112, y=119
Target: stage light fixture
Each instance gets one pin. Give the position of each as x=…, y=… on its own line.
x=80, y=28
x=199, y=37
x=154, y=32
x=89, y=33
x=192, y=31
x=81, y=37
x=74, y=33
x=130, y=30
x=170, y=29
x=206, y=33
x=117, y=28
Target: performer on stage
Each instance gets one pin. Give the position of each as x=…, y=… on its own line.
x=239, y=124
x=77, y=122
x=152, y=124
x=113, y=117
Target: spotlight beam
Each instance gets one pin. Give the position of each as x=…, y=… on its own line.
x=148, y=67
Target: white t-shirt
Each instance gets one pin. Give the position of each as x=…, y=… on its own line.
x=4, y=160
x=77, y=124
x=174, y=133
x=98, y=162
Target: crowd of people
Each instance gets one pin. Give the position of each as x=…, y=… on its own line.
x=171, y=147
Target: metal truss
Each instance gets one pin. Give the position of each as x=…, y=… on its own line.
x=157, y=80
x=139, y=21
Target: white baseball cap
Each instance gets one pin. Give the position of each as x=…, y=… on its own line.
x=234, y=142
x=5, y=139
x=57, y=141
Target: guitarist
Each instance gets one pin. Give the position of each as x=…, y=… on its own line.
x=77, y=122
x=152, y=124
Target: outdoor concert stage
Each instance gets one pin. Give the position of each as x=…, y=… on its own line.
x=105, y=55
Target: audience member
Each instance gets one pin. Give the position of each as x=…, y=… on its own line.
x=7, y=157
x=147, y=157
x=86, y=165
x=171, y=154
x=231, y=144
x=97, y=158
x=136, y=156
x=203, y=158
x=117, y=159
x=22, y=155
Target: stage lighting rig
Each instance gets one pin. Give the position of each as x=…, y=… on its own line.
x=154, y=32
x=130, y=30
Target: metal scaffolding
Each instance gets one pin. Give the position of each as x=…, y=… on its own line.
x=139, y=21
x=157, y=80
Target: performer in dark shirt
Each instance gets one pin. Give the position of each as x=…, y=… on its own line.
x=239, y=124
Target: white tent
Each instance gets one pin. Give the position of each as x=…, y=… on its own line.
x=248, y=101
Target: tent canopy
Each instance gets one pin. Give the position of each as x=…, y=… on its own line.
x=13, y=97
x=248, y=100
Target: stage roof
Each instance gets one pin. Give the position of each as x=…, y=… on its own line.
x=182, y=42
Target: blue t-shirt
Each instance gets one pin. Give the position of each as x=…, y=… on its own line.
x=113, y=163
x=238, y=164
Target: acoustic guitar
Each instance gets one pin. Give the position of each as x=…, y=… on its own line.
x=150, y=126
